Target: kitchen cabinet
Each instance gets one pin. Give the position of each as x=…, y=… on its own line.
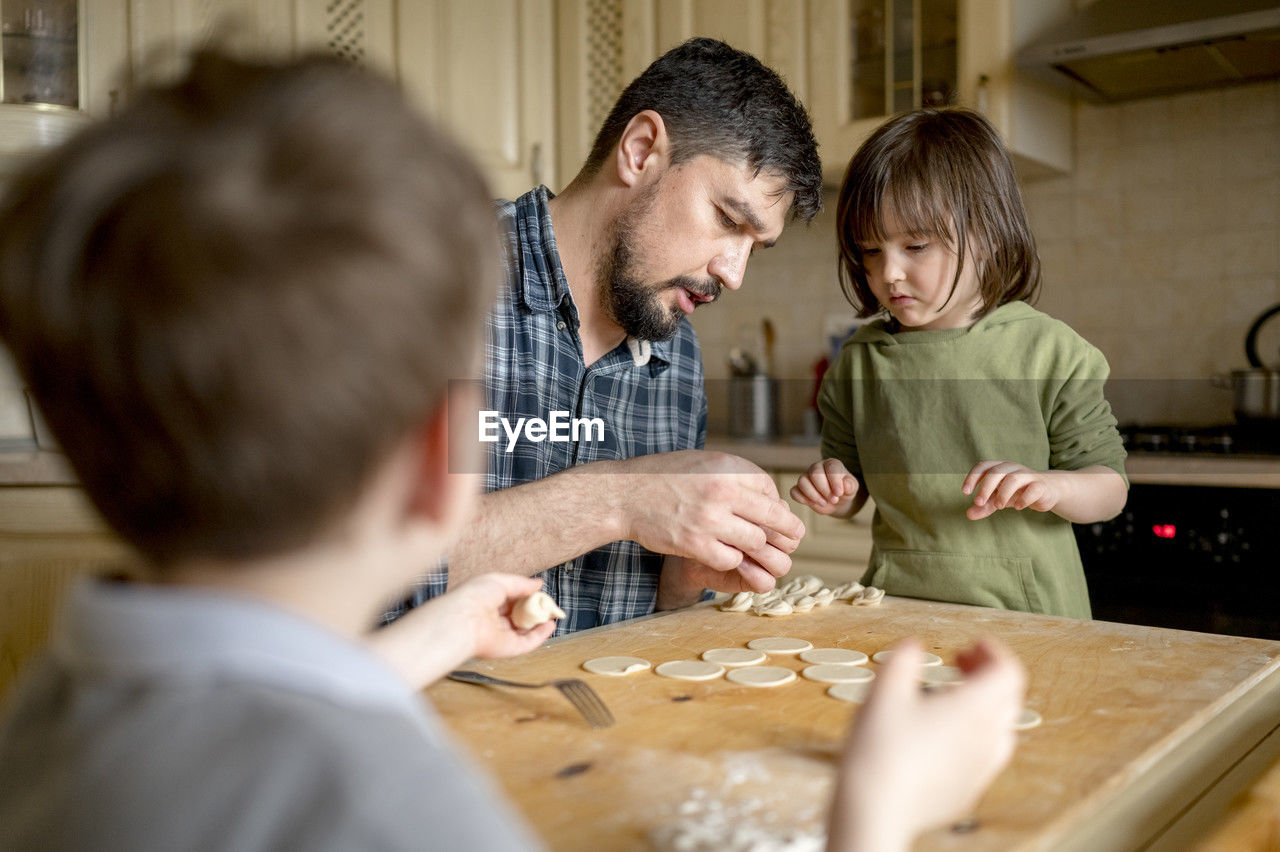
x=50, y=536
x=852, y=62
x=486, y=68
x=931, y=52
x=131, y=42
x=603, y=46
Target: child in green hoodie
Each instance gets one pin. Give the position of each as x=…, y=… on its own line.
x=960, y=400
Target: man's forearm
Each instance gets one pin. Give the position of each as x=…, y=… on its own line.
x=529, y=528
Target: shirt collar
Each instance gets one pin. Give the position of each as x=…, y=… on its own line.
x=543, y=285
x=193, y=634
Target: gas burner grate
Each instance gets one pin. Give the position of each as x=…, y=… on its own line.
x=1262, y=439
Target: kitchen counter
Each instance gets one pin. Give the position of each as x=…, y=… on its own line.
x=1142, y=468
x=35, y=467
x=1142, y=728
x=45, y=467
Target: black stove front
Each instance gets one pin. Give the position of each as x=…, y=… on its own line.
x=1191, y=557
x=1232, y=439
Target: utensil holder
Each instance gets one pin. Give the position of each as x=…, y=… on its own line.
x=753, y=407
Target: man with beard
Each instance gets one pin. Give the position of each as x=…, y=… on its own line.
x=698, y=165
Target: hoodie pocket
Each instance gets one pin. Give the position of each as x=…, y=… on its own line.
x=995, y=581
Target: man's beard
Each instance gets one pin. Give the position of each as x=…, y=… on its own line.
x=636, y=307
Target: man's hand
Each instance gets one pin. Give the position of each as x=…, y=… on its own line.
x=683, y=581
x=713, y=508
x=916, y=761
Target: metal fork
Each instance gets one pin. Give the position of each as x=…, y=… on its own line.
x=580, y=695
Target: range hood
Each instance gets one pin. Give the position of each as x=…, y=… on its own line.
x=1118, y=50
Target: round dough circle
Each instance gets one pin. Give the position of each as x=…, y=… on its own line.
x=732, y=657
x=941, y=674
x=1028, y=718
x=834, y=656
x=926, y=659
x=761, y=676
x=838, y=673
x=852, y=692
x=779, y=645
x=616, y=666
x=689, y=669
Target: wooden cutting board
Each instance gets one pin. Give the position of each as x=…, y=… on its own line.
x=1138, y=723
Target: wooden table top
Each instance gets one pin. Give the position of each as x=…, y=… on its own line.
x=1137, y=723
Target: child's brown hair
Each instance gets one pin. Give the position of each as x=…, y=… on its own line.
x=235, y=299
x=942, y=173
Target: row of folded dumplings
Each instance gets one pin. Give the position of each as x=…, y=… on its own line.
x=802, y=594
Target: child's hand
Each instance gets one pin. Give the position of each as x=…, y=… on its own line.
x=999, y=485
x=827, y=488
x=472, y=620
x=485, y=603
x=915, y=761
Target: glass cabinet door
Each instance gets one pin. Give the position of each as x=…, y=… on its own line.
x=38, y=50
x=903, y=55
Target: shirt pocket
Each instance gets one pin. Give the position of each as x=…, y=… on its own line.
x=1004, y=582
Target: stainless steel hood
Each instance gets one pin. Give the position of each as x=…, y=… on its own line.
x=1117, y=50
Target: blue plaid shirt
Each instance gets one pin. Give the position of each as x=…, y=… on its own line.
x=649, y=396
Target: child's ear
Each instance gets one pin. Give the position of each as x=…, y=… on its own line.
x=643, y=147
x=448, y=481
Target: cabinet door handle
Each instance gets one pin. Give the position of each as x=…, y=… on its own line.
x=535, y=163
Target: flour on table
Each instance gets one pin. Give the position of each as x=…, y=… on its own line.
x=761, y=676
x=690, y=669
x=779, y=645
x=733, y=657
x=837, y=673
x=834, y=656
x=616, y=666
x=710, y=824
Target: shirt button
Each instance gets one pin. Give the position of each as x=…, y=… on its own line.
x=568, y=566
x=560, y=326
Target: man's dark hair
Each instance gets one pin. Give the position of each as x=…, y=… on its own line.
x=722, y=102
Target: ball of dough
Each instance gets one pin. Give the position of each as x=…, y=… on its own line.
x=536, y=609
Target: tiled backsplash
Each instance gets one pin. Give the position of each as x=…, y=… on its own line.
x=1160, y=247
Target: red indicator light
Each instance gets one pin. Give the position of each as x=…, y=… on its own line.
x=1164, y=530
